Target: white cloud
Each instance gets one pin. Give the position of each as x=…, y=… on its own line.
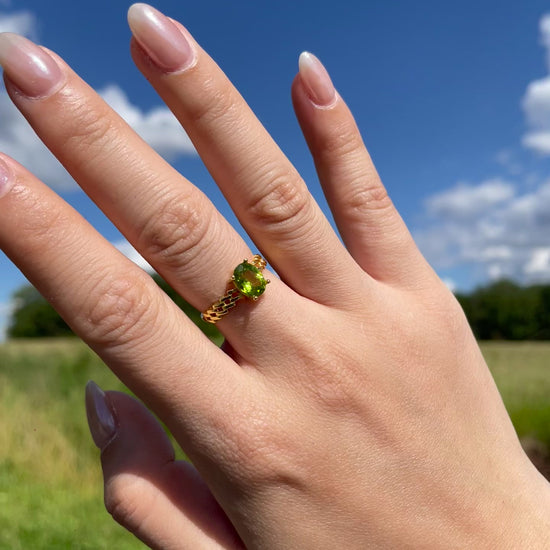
x=5, y=315
x=507, y=159
x=491, y=228
x=536, y=101
x=466, y=201
x=19, y=141
x=158, y=127
x=539, y=264
x=498, y=228
x=544, y=29
x=22, y=22
x=132, y=254
x=449, y=283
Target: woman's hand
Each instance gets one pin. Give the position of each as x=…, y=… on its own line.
x=350, y=407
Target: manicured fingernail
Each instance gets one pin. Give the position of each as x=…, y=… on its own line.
x=165, y=44
x=101, y=416
x=28, y=66
x=316, y=80
x=6, y=178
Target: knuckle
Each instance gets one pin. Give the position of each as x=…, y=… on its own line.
x=267, y=456
x=335, y=384
x=283, y=201
x=215, y=105
x=334, y=377
x=175, y=232
x=340, y=141
x=255, y=441
x=128, y=500
x=119, y=310
x=364, y=198
x=41, y=223
x=86, y=126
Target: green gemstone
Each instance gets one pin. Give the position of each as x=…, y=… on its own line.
x=248, y=280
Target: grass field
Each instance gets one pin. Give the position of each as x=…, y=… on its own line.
x=50, y=482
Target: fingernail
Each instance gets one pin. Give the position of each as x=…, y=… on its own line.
x=28, y=66
x=6, y=178
x=101, y=416
x=316, y=80
x=165, y=44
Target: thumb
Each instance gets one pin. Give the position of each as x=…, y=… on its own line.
x=163, y=502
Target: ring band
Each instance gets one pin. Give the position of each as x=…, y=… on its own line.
x=247, y=282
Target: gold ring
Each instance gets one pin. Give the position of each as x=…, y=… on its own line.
x=247, y=282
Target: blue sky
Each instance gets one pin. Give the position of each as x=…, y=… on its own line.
x=453, y=100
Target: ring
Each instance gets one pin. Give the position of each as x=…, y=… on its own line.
x=247, y=282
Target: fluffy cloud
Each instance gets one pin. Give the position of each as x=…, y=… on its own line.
x=490, y=227
x=132, y=254
x=158, y=126
x=468, y=201
x=19, y=141
x=536, y=102
x=499, y=227
x=23, y=22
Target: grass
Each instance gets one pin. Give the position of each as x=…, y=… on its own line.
x=50, y=480
x=522, y=374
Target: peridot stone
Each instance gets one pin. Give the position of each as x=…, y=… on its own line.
x=248, y=280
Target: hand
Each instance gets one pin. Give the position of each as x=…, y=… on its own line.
x=350, y=407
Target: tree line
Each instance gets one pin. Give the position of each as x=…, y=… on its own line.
x=501, y=311
x=507, y=311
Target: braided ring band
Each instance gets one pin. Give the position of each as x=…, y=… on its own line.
x=247, y=281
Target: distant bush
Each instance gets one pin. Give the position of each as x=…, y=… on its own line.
x=34, y=317
x=507, y=311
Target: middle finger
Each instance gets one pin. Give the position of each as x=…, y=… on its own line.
x=264, y=189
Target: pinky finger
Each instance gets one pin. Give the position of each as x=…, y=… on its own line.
x=369, y=224
x=163, y=502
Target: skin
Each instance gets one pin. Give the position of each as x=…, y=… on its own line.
x=351, y=406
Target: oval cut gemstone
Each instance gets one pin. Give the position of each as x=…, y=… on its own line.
x=248, y=280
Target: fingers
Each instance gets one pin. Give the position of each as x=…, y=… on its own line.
x=166, y=218
x=115, y=307
x=172, y=223
x=263, y=188
x=368, y=222
x=161, y=501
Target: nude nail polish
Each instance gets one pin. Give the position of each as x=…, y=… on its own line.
x=6, y=178
x=101, y=416
x=163, y=41
x=316, y=80
x=29, y=67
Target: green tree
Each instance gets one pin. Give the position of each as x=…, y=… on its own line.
x=507, y=311
x=34, y=317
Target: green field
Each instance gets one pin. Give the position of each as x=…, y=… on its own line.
x=50, y=482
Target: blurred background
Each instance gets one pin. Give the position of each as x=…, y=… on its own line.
x=453, y=100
